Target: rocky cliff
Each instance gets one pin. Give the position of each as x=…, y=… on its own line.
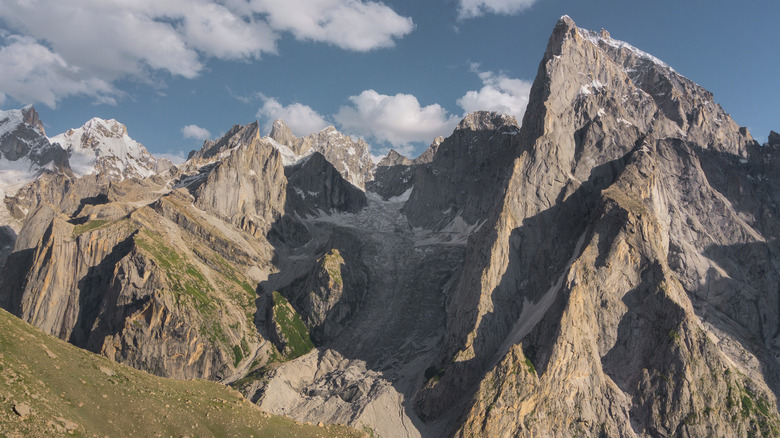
x=618, y=288
x=25, y=155
x=351, y=158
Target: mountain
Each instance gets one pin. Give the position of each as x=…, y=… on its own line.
x=608, y=267
x=103, y=146
x=25, y=153
x=351, y=158
x=625, y=283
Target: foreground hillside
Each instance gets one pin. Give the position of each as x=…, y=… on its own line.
x=49, y=387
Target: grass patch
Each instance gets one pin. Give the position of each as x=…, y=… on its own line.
x=89, y=226
x=185, y=279
x=332, y=262
x=292, y=327
x=234, y=276
x=625, y=200
x=238, y=355
x=433, y=373
x=72, y=390
x=530, y=366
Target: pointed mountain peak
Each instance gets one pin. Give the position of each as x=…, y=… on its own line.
x=12, y=119
x=30, y=117
x=282, y=134
x=774, y=138
x=104, y=128
x=331, y=130
x=393, y=158
x=564, y=28
x=566, y=22
x=486, y=121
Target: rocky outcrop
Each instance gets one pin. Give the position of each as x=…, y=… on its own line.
x=22, y=136
x=465, y=175
x=315, y=186
x=247, y=186
x=330, y=295
x=351, y=158
x=774, y=139
x=139, y=295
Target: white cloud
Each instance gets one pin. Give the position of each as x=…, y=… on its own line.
x=176, y=157
x=499, y=93
x=301, y=119
x=349, y=24
x=99, y=41
x=398, y=120
x=30, y=72
x=476, y=8
x=195, y=132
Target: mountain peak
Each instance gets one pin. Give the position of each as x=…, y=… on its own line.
x=282, y=134
x=104, y=128
x=393, y=158
x=486, y=121
x=30, y=117
x=103, y=146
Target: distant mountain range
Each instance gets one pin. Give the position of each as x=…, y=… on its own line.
x=609, y=266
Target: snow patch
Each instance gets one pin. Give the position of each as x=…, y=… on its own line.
x=403, y=197
x=595, y=38
x=595, y=85
x=289, y=157
x=533, y=313
x=13, y=176
x=9, y=121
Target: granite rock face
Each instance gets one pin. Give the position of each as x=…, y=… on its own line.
x=351, y=158
x=618, y=287
x=22, y=136
x=315, y=185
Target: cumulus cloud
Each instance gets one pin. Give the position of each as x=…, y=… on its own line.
x=301, y=119
x=175, y=157
x=476, y=8
x=195, y=132
x=398, y=120
x=348, y=24
x=103, y=41
x=498, y=93
x=31, y=72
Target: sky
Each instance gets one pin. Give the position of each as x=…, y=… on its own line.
x=397, y=73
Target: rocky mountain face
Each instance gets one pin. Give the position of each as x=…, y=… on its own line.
x=103, y=147
x=25, y=154
x=163, y=271
x=620, y=287
x=607, y=268
x=351, y=158
x=22, y=137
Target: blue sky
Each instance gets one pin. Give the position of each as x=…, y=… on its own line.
x=396, y=72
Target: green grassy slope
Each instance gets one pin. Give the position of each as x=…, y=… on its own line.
x=73, y=392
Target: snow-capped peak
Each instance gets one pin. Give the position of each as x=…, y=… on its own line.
x=604, y=37
x=10, y=120
x=105, y=128
x=104, y=146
